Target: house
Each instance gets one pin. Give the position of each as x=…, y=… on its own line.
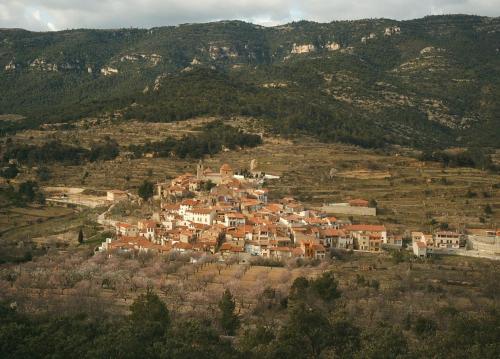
x=187, y=236
x=280, y=253
x=249, y=205
x=420, y=249
x=395, y=240
x=335, y=238
x=126, y=229
x=116, y=195
x=200, y=215
x=375, y=242
x=422, y=237
x=447, y=239
x=313, y=250
x=225, y=173
x=134, y=243
x=362, y=232
x=147, y=229
x=187, y=205
x=234, y=220
x=362, y=241
x=229, y=249
x=182, y=247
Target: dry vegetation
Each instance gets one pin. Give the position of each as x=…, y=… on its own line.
x=374, y=288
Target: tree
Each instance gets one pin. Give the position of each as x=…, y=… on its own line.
x=425, y=326
x=488, y=210
x=43, y=173
x=146, y=190
x=228, y=320
x=384, y=342
x=150, y=318
x=27, y=190
x=80, y=236
x=208, y=185
x=255, y=340
x=373, y=203
x=10, y=172
x=306, y=334
x=326, y=287
x=193, y=339
x=298, y=290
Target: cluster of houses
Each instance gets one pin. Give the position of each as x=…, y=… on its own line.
x=220, y=212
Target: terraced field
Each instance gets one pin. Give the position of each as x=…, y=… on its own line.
x=409, y=193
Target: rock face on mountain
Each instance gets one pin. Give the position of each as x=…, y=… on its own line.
x=420, y=82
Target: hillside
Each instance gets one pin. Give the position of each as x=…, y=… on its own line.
x=430, y=82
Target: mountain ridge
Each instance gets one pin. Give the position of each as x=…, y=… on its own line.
x=389, y=81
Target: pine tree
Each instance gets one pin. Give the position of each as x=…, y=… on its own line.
x=228, y=320
x=80, y=236
x=146, y=190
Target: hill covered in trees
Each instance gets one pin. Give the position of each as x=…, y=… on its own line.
x=430, y=82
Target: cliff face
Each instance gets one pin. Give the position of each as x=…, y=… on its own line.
x=400, y=77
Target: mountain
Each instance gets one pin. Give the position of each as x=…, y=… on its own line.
x=430, y=82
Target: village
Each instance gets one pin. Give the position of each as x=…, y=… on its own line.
x=229, y=214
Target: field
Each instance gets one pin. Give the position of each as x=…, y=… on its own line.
x=374, y=288
x=409, y=193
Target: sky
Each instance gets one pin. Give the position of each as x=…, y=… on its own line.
x=53, y=15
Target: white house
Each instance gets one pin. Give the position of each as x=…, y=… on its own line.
x=420, y=249
x=234, y=220
x=447, y=239
x=200, y=215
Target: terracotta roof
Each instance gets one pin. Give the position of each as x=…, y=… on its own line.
x=250, y=202
x=365, y=227
x=182, y=245
x=298, y=251
x=202, y=210
x=148, y=224
x=225, y=167
x=358, y=202
x=318, y=247
x=330, y=232
x=281, y=249
x=235, y=215
x=226, y=246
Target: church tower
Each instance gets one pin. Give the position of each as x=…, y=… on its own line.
x=199, y=170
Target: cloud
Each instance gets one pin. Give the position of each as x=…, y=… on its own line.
x=49, y=15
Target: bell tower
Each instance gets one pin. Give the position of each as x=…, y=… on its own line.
x=199, y=170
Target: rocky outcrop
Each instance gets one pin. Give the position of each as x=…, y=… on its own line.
x=372, y=36
x=11, y=66
x=157, y=83
x=195, y=62
x=42, y=65
x=222, y=52
x=430, y=50
x=393, y=30
x=153, y=59
x=332, y=46
x=303, y=49
x=275, y=85
x=109, y=71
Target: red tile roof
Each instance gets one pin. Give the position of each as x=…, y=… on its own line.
x=365, y=227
